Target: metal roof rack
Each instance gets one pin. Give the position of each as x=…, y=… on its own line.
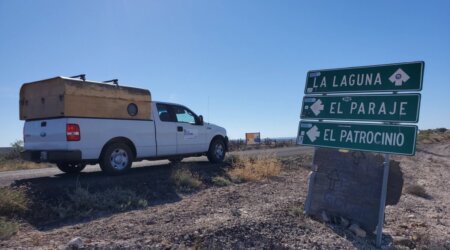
x=114, y=81
x=82, y=77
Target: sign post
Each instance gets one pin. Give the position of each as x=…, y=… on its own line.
x=353, y=101
x=383, y=199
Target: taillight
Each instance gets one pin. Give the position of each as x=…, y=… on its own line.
x=73, y=132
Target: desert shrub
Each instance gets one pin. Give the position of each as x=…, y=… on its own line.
x=185, y=180
x=14, y=154
x=13, y=201
x=433, y=135
x=7, y=228
x=13, y=161
x=220, y=181
x=248, y=168
x=417, y=190
x=296, y=211
x=81, y=202
x=441, y=130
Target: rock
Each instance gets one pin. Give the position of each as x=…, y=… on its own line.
x=325, y=217
x=235, y=212
x=75, y=243
x=357, y=230
x=344, y=222
x=403, y=241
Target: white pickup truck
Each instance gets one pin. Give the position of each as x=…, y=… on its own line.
x=172, y=132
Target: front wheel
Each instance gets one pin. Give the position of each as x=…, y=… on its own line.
x=71, y=168
x=116, y=159
x=216, y=152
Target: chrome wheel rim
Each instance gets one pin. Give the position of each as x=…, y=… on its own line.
x=119, y=159
x=219, y=151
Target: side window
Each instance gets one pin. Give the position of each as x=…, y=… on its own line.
x=184, y=115
x=163, y=113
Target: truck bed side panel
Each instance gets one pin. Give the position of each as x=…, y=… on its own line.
x=50, y=134
x=95, y=133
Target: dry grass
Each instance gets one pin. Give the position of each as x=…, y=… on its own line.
x=296, y=211
x=417, y=190
x=246, y=168
x=17, y=164
x=12, y=161
x=7, y=228
x=185, y=180
x=13, y=201
x=81, y=202
x=433, y=135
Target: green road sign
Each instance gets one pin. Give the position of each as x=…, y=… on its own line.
x=365, y=137
x=377, y=78
x=390, y=108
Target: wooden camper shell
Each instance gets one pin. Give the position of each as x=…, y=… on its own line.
x=69, y=97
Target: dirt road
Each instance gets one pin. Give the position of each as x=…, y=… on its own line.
x=9, y=177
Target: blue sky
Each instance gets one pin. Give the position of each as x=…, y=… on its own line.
x=242, y=64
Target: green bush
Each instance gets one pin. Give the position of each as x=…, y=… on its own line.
x=17, y=147
x=185, y=180
x=220, y=181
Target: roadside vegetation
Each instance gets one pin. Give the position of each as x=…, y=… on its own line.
x=433, y=135
x=82, y=202
x=253, y=168
x=11, y=161
x=185, y=180
x=13, y=203
x=220, y=181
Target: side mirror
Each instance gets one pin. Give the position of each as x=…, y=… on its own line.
x=200, y=120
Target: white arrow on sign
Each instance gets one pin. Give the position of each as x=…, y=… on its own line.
x=317, y=107
x=313, y=133
x=399, y=77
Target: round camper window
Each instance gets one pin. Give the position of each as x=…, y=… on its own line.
x=132, y=109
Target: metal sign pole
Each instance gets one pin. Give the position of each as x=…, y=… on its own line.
x=383, y=200
x=311, y=177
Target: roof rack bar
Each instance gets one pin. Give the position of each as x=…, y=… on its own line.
x=114, y=81
x=82, y=77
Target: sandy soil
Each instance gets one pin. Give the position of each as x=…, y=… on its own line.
x=259, y=215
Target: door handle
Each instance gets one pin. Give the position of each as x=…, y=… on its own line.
x=180, y=129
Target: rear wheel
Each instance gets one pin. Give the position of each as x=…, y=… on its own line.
x=71, y=168
x=216, y=152
x=116, y=159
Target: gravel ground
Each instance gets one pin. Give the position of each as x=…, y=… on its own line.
x=254, y=215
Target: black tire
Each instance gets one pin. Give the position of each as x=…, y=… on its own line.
x=116, y=159
x=71, y=168
x=216, y=152
x=175, y=160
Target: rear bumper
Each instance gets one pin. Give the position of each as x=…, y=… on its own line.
x=51, y=155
